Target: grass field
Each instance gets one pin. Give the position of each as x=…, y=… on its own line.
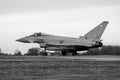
x=44, y=68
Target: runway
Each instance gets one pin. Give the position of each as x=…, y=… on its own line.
x=80, y=58
x=90, y=58
x=59, y=67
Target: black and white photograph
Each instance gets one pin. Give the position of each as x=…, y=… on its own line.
x=59, y=40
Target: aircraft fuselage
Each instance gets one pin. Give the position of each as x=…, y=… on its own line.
x=68, y=44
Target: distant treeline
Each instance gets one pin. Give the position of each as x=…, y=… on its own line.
x=105, y=50
x=35, y=52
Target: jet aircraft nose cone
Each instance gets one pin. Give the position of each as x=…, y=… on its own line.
x=23, y=40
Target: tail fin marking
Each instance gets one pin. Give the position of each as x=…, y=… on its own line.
x=96, y=33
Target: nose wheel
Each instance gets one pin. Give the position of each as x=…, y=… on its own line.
x=43, y=52
x=74, y=53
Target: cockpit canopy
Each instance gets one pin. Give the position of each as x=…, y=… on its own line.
x=38, y=34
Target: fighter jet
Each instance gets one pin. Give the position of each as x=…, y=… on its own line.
x=68, y=44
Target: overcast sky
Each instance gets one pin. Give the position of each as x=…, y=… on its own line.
x=19, y=18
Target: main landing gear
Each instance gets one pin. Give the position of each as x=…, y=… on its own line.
x=65, y=53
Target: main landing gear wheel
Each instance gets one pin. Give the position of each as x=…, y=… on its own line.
x=64, y=53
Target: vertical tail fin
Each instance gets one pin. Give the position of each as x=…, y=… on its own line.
x=96, y=33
